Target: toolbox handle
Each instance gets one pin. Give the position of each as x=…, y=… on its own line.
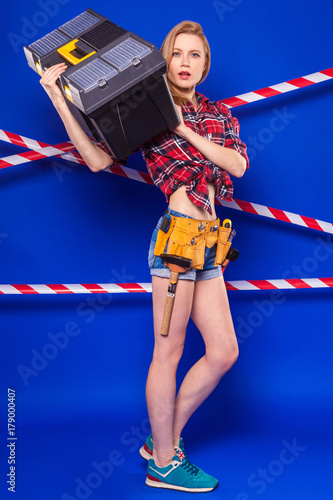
x=65, y=52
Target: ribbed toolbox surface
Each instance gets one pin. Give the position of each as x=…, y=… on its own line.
x=80, y=23
x=88, y=76
x=49, y=42
x=122, y=55
x=104, y=33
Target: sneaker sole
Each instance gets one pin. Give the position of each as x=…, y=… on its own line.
x=144, y=453
x=160, y=484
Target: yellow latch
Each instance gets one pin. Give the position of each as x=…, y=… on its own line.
x=65, y=52
x=68, y=93
x=39, y=69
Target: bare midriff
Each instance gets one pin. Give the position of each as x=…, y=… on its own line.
x=180, y=202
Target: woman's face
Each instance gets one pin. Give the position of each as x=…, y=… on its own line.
x=187, y=62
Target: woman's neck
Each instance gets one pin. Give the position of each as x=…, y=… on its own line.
x=190, y=94
x=193, y=100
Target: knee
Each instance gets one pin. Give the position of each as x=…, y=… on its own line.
x=169, y=354
x=222, y=359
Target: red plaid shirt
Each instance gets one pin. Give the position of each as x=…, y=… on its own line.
x=172, y=161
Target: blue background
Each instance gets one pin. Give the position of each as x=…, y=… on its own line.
x=60, y=223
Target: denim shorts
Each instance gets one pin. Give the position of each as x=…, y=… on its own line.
x=157, y=267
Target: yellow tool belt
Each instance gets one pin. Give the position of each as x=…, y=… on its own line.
x=188, y=238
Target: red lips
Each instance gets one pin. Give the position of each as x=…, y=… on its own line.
x=184, y=75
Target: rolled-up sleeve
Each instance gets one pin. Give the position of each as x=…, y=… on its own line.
x=232, y=139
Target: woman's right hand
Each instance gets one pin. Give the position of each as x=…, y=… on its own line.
x=48, y=82
x=94, y=156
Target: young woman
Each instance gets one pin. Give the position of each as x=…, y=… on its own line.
x=191, y=165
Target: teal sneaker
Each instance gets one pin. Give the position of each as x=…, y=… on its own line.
x=146, y=451
x=180, y=475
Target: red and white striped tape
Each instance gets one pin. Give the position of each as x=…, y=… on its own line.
x=57, y=150
x=280, y=284
x=280, y=88
x=275, y=284
x=75, y=288
x=44, y=150
x=276, y=213
x=39, y=150
x=20, y=140
x=231, y=102
x=130, y=173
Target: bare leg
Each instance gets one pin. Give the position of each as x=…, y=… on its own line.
x=161, y=381
x=211, y=314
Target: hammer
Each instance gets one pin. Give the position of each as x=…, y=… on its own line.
x=176, y=265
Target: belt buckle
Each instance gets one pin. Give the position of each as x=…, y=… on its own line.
x=202, y=226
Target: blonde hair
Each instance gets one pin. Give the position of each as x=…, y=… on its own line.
x=191, y=28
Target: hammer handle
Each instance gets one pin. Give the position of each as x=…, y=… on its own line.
x=169, y=303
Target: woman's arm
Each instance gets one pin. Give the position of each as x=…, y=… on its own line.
x=225, y=158
x=95, y=157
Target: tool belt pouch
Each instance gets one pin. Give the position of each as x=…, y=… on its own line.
x=163, y=235
x=187, y=241
x=223, y=245
x=183, y=239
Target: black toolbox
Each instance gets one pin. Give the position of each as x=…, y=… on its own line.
x=115, y=82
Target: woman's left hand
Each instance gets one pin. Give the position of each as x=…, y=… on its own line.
x=179, y=129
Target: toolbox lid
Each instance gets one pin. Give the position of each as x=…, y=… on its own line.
x=64, y=33
x=49, y=42
x=92, y=74
x=80, y=23
x=126, y=53
x=111, y=63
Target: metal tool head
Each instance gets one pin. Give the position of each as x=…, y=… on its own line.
x=177, y=260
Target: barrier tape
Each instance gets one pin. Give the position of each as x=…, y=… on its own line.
x=20, y=140
x=38, y=151
x=278, y=214
x=280, y=88
x=131, y=173
x=46, y=152
x=230, y=102
x=277, y=284
x=137, y=175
